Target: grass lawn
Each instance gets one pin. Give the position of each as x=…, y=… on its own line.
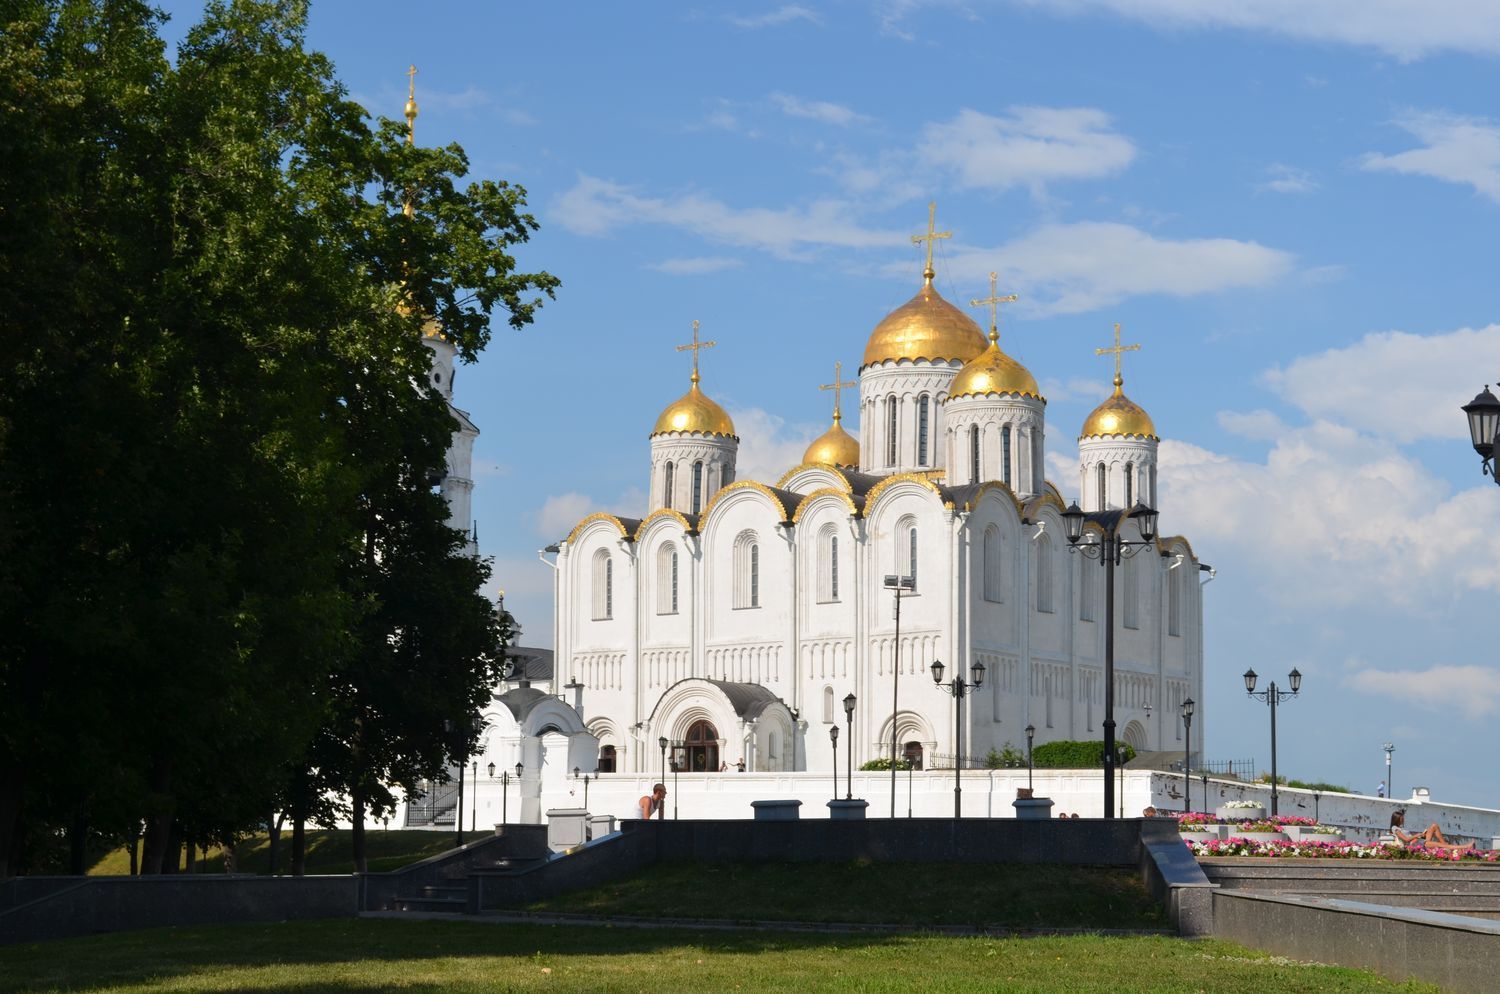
x=427, y=957
x=1016, y=896
x=327, y=852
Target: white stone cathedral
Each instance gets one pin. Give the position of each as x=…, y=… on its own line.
x=736, y=615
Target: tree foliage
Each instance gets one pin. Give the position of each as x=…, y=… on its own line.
x=225, y=579
x=1066, y=754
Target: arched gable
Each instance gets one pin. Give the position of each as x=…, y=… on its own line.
x=826, y=495
x=667, y=515
x=1036, y=505
x=596, y=518
x=739, y=491
x=1170, y=546
x=899, y=483
x=814, y=476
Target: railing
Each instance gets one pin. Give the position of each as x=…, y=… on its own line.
x=1244, y=769
x=426, y=808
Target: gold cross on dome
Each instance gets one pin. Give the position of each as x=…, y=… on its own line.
x=411, y=105
x=838, y=386
x=994, y=300
x=1119, y=350
x=932, y=236
x=695, y=345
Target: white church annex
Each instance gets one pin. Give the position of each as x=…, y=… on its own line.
x=735, y=615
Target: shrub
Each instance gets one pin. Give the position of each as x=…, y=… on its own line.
x=884, y=763
x=1008, y=757
x=1327, y=788
x=1066, y=754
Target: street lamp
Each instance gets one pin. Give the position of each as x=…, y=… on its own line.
x=849, y=747
x=898, y=584
x=1273, y=696
x=1030, y=738
x=679, y=759
x=457, y=738
x=833, y=736
x=585, y=778
x=1390, y=785
x=1484, y=431
x=958, y=687
x=1110, y=551
x=505, y=790
x=1187, y=757
x=661, y=812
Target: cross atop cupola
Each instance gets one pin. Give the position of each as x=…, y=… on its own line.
x=694, y=346
x=932, y=236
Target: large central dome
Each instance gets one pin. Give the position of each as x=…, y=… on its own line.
x=925, y=327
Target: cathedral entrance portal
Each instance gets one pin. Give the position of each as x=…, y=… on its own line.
x=702, y=747
x=914, y=755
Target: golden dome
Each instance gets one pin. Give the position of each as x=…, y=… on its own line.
x=925, y=327
x=993, y=372
x=1119, y=416
x=694, y=413
x=835, y=447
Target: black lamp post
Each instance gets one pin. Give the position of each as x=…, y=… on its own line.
x=1187, y=757
x=898, y=584
x=505, y=790
x=1274, y=696
x=1390, y=785
x=585, y=778
x=1484, y=431
x=679, y=757
x=661, y=812
x=1110, y=551
x=833, y=736
x=1030, y=738
x=958, y=687
x=453, y=729
x=849, y=747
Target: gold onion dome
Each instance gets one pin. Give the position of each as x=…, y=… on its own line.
x=694, y=413
x=925, y=327
x=992, y=371
x=1118, y=416
x=835, y=447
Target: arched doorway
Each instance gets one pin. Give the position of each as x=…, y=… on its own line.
x=606, y=759
x=912, y=753
x=702, y=747
x=1135, y=736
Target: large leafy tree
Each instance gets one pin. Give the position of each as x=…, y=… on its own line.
x=220, y=555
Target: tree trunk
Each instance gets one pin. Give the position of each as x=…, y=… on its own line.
x=135, y=850
x=78, y=835
x=357, y=825
x=159, y=824
x=273, y=833
x=231, y=862
x=12, y=783
x=299, y=845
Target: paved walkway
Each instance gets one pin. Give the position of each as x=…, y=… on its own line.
x=729, y=925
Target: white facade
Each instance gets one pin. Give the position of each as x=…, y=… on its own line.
x=741, y=628
x=458, y=481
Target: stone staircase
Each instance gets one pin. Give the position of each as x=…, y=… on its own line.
x=1470, y=889
x=452, y=895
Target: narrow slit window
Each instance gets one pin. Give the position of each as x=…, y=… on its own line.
x=922, y=431
x=697, y=486
x=671, y=478
x=974, y=454
x=1005, y=455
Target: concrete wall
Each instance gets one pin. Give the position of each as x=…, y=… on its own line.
x=1460, y=954
x=107, y=904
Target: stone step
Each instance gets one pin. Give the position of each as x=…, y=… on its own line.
x=1275, y=870
x=459, y=891
x=451, y=905
x=1350, y=885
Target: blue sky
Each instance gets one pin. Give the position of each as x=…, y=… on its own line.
x=1291, y=205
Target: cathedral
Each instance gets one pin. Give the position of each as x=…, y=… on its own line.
x=737, y=619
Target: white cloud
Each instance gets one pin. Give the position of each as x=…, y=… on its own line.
x=597, y=206
x=1030, y=147
x=1333, y=516
x=1405, y=29
x=561, y=512
x=1070, y=268
x=1403, y=386
x=817, y=110
x=1473, y=691
x=1288, y=179
x=1059, y=391
x=696, y=266
x=1457, y=149
x=785, y=14
x=1260, y=425
x=769, y=446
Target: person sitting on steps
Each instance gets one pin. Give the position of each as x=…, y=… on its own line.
x=1430, y=838
x=654, y=803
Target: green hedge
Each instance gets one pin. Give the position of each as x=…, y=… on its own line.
x=1068, y=755
x=884, y=763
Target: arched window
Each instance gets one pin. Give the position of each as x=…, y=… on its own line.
x=1085, y=591
x=1174, y=599
x=1103, y=474
x=1044, y=574
x=604, y=585
x=698, y=486
x=666, y=579
x=906, y=547
x=833, y=567
x=922, y=406
x=746, y=570
x=1038, y=483
x=1005, y=455
x=701, y=748
x=912, y=753
x=890, y=431
x=1151, y=480
x=1129, y=595
x=828, y=564
x=671, y=478
x=828, y=706
x=606, y=759
x=974, y=454
x=993, y=574
x=1129, y=484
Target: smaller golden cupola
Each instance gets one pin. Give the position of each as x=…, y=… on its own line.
x=992, y=371
x=694, y=413
x=1118, y=416
x=835, y=447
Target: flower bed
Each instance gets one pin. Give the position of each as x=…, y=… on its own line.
x=1234, y=846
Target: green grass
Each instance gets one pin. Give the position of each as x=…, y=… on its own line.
x=327, y=852
x=427, y=957
x=1010, y=895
